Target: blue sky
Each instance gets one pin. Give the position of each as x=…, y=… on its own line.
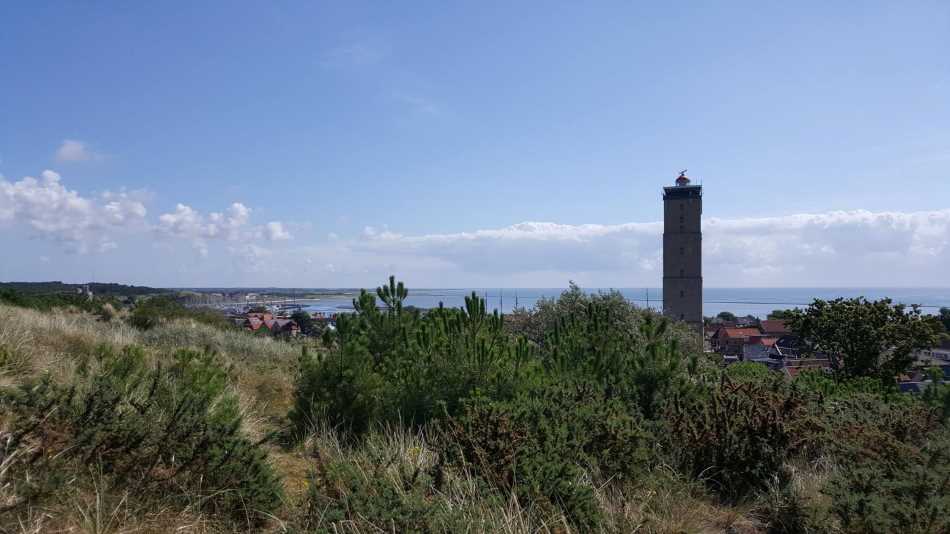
x=487, y=144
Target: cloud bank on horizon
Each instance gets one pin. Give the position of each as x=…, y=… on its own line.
x=189, y=248
x=83, y=224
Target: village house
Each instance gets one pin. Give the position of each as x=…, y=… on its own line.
x=265, y=323
x=729, y=341
x=758, y=347
x=785, y=347
x=934, y=356
x=774, y=328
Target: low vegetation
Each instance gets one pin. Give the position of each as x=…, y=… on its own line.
x=583, y=414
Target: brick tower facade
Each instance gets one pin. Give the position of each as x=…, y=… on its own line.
x=683, y=252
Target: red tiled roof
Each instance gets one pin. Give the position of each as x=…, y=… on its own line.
x=739, y=332
x=775, y=326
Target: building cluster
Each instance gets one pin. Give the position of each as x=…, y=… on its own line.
x=928, y=360
x=769, y=342
x=275, y=321
x=773, y=344
x=266, y=323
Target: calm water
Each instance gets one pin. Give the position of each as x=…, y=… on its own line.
x=741, y=301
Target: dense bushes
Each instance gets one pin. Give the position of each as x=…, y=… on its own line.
x=378, y=491
x=586, y=414
x=587, y=390
x=542, y=445
x=865, y=338
x=152, y=311
x=148, y=427
x=738, y=438
x=529, y=417
x=48, y=301
x=907, y=492
x=398, y=366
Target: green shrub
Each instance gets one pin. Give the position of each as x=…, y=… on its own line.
x=398, y=366
x=368, y=495
x=738, y=437
x=51, y=300
x=340, y=388
x=821, y=383
x=863, y=428
x=748, y=372
x=152, y=311
x=151, y=428
x=906, y=493
x=937, y=396
x=786, y=511
x=541, y=445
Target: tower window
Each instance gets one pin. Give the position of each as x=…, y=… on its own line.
x=682, y=273
x=682, y=251
x=682, y=316
x=682, y=293
x=682, y=219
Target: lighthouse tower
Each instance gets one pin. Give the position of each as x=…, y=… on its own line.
x=683, y=252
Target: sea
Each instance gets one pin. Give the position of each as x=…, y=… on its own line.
x=757, y=302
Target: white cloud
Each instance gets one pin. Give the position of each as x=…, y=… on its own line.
x=187, y=223
x=83, y=223
x=74, y=150
x=841, y=248
x=275, y=231
x=232, y=225
x=54, y=212
x=838, y=248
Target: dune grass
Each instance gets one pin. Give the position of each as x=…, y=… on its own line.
x=326, y=478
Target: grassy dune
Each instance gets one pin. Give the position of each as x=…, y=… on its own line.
x=387, y=461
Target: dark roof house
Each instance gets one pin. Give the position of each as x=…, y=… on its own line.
x=775, y=327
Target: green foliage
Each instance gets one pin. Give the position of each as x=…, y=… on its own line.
x=98, y=288
x=937, y=396
x=738, y=437
x=944, y=318
x=748, y=372
x=625, y=318
x=570, y=394
x=727, y=316
x=780, y=314
x=49, y=301
x=538, y=445
x=864, y=338
x=786, y=511
x=865, y=428
x=398, y=366
x=906, y=492
x=149, y=427
x=340, y=388
x=382, y=494
x=821, y=383
x=304, y=320
x=153, y=311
